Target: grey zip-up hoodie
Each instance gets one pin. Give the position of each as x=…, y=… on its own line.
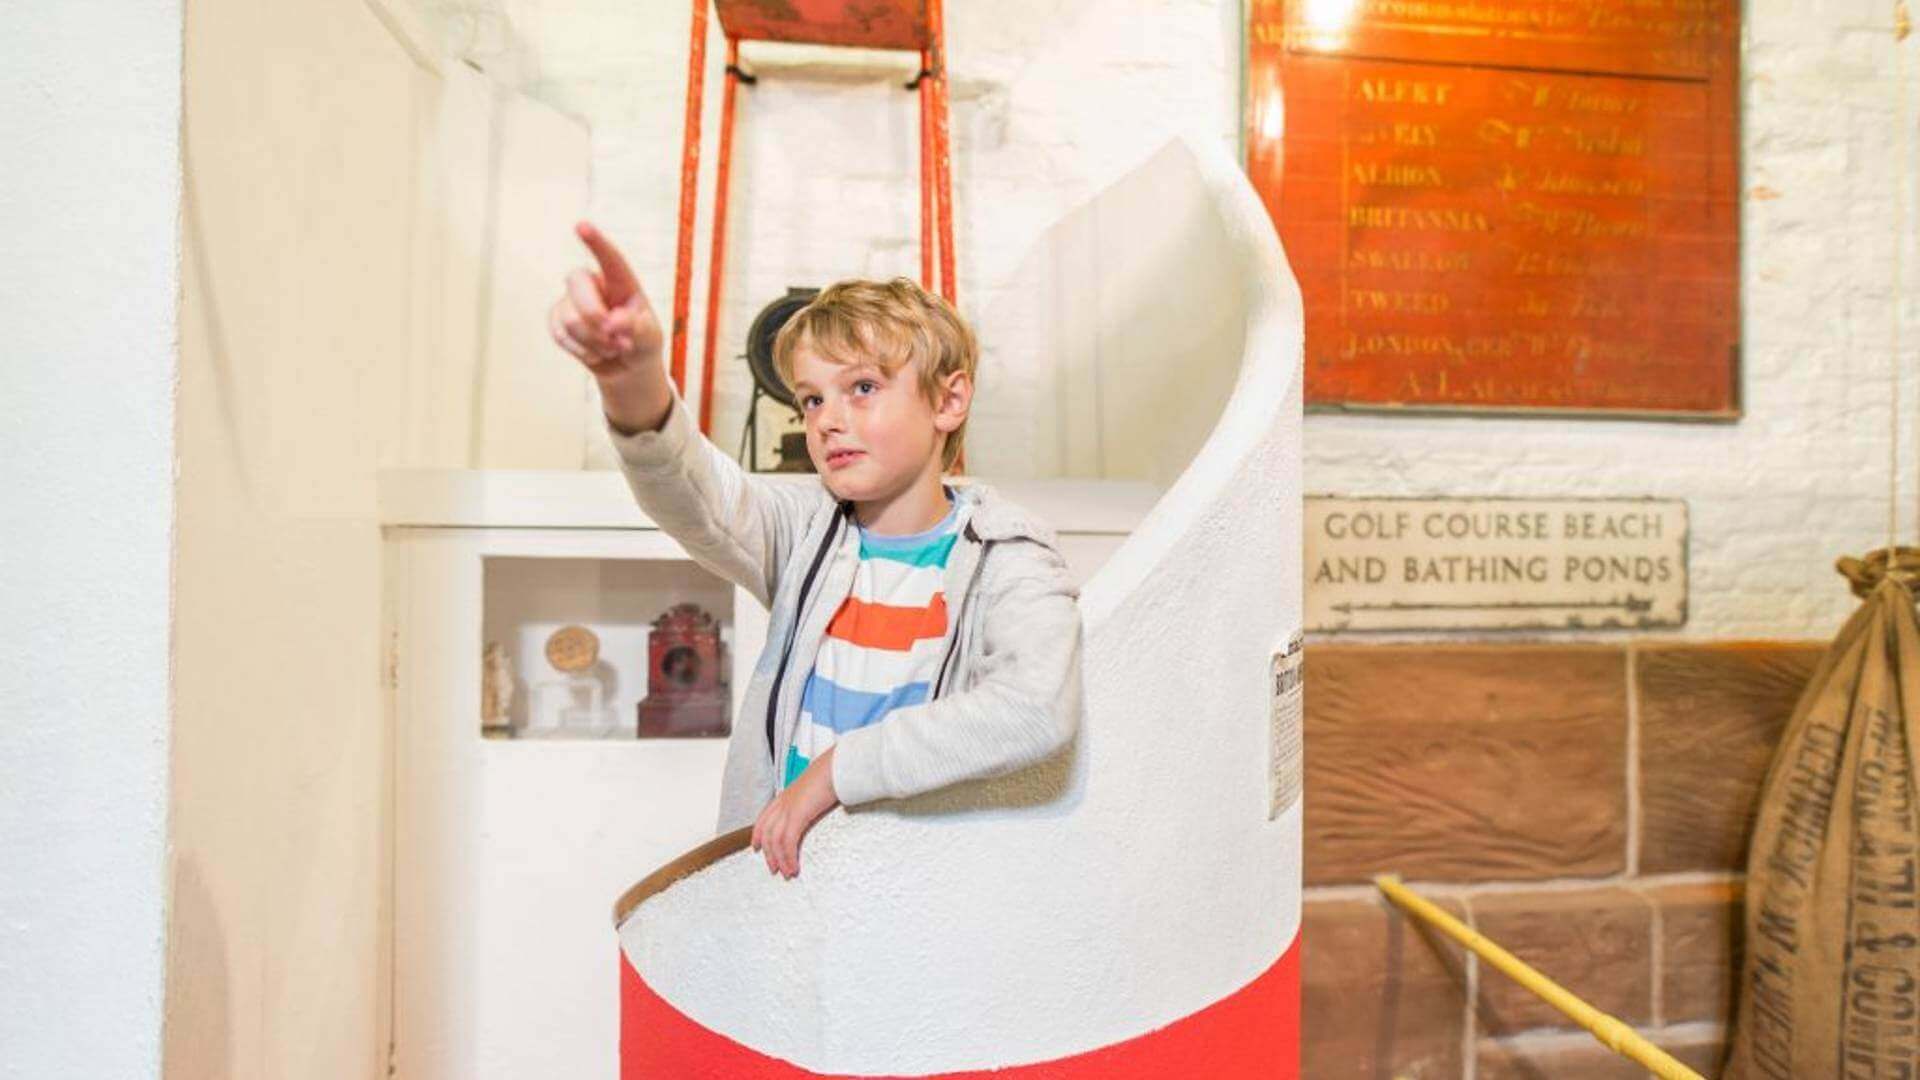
x=1008, y=690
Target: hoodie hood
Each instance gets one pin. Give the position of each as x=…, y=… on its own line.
x=996, y=517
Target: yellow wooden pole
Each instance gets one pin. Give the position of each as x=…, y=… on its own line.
x=1612, y=1034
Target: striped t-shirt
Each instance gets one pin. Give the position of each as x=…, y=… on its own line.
x=882, y=648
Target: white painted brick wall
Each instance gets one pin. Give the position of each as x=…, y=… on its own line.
x=1052, y=98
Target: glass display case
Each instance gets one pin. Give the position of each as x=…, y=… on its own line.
x=591, y=646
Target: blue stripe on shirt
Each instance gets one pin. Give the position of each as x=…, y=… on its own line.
x=836, y=707
x=925, y=553
x=795, y=766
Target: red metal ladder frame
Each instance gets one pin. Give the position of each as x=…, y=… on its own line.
x=918, y=24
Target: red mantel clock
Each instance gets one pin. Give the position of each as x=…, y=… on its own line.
x=686, y=683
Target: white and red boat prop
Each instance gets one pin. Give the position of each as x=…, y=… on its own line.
x=1132, y=907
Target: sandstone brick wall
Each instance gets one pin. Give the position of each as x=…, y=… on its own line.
x=1587, y=806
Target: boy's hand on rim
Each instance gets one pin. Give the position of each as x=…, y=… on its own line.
x=784, y=821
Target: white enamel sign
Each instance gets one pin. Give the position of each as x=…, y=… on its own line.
x=1471, y=563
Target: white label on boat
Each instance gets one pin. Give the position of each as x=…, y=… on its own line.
x=1285, y=759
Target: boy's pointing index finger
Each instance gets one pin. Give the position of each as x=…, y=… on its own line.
x=621, y=285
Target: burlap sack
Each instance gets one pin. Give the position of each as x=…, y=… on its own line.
x=1830, y=986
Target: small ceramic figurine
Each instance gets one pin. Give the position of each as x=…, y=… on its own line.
x=496, y=691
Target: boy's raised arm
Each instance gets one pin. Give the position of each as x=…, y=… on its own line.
x=1025, y=705
x=734, y=523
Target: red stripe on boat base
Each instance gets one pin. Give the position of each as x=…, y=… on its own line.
x=1253, y=1033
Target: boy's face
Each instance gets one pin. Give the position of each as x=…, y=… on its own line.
x=872, y=435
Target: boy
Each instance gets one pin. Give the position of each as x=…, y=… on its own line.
x=920, y=633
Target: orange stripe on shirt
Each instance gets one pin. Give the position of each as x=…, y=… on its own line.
x=882, y=626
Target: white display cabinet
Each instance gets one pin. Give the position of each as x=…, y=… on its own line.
x=507, y=854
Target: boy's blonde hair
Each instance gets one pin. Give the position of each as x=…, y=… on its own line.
x=888, y=324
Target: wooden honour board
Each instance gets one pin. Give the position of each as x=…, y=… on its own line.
x=1526, y=206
